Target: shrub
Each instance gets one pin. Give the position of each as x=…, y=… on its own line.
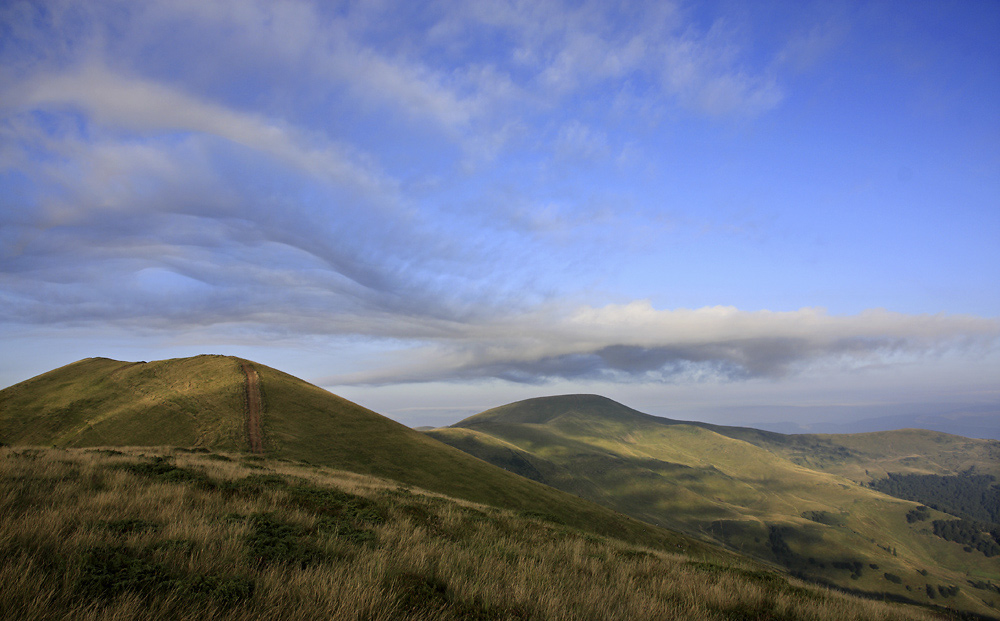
x=272, y=542
x=108, y=571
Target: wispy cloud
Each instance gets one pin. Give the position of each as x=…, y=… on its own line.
x=143, y=106
x=568, y=49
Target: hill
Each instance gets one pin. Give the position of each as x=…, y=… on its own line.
x=151, y=533
x=781, y=499
x=205, y=402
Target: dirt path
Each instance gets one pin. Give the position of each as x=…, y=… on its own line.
x=254, y=433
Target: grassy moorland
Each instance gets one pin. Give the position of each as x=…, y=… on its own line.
x=913, y=451
x=668, y=476
x=749, y=496
x=155, y=533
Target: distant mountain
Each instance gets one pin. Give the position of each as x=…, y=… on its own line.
x=800, y=501
x=547, y=410
x=982, y=422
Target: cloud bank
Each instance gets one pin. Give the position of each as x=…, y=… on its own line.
x=637, y=343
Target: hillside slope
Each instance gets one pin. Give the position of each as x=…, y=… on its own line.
x=153, y=533
x=186, y=402
x=202, y=402
x=749, y=496
x=861, y=457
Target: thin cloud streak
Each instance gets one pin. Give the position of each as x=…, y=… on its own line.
x=144, y=106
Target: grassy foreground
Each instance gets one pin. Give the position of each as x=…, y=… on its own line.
x=154, y=533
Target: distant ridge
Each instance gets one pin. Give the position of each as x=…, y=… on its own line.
x=542, y=410
x=984, y=425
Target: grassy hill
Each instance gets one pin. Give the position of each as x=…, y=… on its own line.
x=200, y=402
x=151, y=533
x=741, y=487
x=187, y=402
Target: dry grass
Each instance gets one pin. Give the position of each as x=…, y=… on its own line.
x=146, y=533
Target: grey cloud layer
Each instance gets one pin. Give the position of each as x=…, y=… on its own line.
x=636, y=342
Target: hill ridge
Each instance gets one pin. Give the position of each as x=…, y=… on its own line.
x=542, y=410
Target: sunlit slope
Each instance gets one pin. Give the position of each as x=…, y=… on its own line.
x=817, y=524
x=184, y=402
x=200, y=402
x=861, y=456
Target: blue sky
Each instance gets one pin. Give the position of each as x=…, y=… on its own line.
x=701, y=209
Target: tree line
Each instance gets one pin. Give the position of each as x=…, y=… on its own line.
x=966, y=495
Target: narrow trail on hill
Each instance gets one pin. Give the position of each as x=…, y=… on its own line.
x=253, y=408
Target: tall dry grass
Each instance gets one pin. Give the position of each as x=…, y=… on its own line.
x=156, y=533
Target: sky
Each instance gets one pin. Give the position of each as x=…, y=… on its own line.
x=724, y=211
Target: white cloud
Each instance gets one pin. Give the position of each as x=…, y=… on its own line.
x=146, y=106
x=330, y=50
x=416, y=89
x=703, y=76
x=558, y=51
x=577, y=141
x=806, y=49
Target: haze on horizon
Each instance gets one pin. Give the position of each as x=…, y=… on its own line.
x=789, y=212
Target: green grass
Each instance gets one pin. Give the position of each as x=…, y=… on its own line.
x=913, y=451
x=88, y=534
